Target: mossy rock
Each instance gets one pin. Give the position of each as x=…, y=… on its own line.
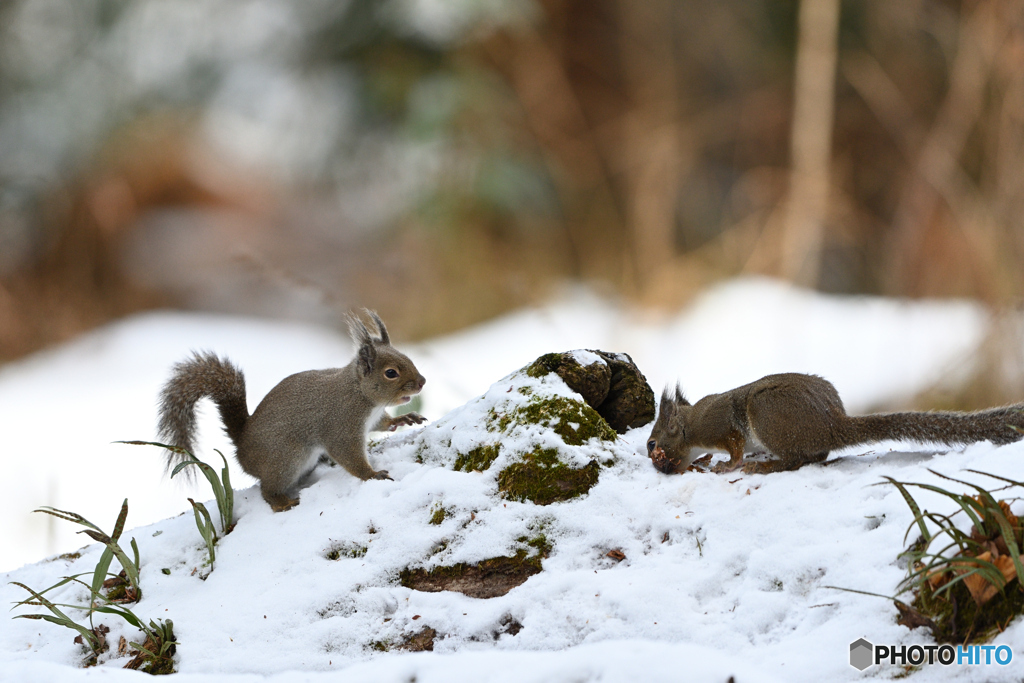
x=478, y=459
x=630, y=400
x=589, y=381
x=615, y=388
x=541, y=478
x=574, y=421
x=487, y=579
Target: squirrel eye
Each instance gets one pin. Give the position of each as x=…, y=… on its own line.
x=650, y=445
x=391, y=373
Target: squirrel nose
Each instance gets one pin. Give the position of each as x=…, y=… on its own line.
x=423, y=380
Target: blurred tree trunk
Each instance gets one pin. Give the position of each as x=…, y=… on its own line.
x=532, y=58
x=811, y=141
x=938, y=178
x=650, y=137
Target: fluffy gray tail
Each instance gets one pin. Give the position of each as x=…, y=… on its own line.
x=995, y=425
x=202, y=375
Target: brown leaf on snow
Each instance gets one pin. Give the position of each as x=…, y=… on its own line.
x=616, y=555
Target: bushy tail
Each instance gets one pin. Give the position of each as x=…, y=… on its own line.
x=995, y=425
x=202, y=375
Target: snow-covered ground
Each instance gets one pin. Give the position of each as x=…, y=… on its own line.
x=723, y=575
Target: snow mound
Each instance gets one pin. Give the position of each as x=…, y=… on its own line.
x=734, y=573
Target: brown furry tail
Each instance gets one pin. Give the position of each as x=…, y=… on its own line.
x=950, y=428
x=202, y=375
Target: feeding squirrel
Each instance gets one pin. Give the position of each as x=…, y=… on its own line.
x=305, y=416
x=800, y=418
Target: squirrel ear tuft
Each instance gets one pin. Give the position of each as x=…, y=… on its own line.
x=680, y=399
x=668, y=403
x=357, y=330
x=384, y=337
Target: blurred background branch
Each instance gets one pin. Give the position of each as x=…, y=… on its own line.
x=447, y=162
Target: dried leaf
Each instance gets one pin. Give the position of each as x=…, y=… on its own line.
x=938, y=578
x=616, y=555
x=980, y=588
x=1005, y=565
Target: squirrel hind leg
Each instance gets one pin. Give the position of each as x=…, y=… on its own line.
x=786, y=463
x=279, y=502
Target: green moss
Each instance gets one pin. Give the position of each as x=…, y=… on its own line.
x=525, y=391
x=497, y=422
x=160, y=666
x=345, y=550
x=544, y=365
x=557, y=412
x=440, y=514
x=543, y=479
x=957, y=617
x=539, y=543
x=478, y=459
x=118, y=593
x=119, y=589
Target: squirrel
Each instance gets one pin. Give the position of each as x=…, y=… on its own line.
x=305, y=416
x=800, y=418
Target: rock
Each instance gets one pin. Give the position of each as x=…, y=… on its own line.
x=486, y=579
x=610, y=383
x=542, y=479
x=421, y=641
x=590, y=381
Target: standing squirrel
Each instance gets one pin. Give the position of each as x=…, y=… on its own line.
x=800, y=418
x=306, y=415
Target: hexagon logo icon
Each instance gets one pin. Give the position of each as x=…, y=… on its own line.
x=861, y=654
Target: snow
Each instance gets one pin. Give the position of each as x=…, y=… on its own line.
x=723, y=575
x=586, y=358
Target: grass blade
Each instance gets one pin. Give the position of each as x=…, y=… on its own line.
x=925, y=534
x=99, y=575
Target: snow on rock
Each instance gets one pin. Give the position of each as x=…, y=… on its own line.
x=584, y=357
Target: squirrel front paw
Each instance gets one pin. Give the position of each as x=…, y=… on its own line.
x=727, y=466
x=405, y=419
x=382, y=474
